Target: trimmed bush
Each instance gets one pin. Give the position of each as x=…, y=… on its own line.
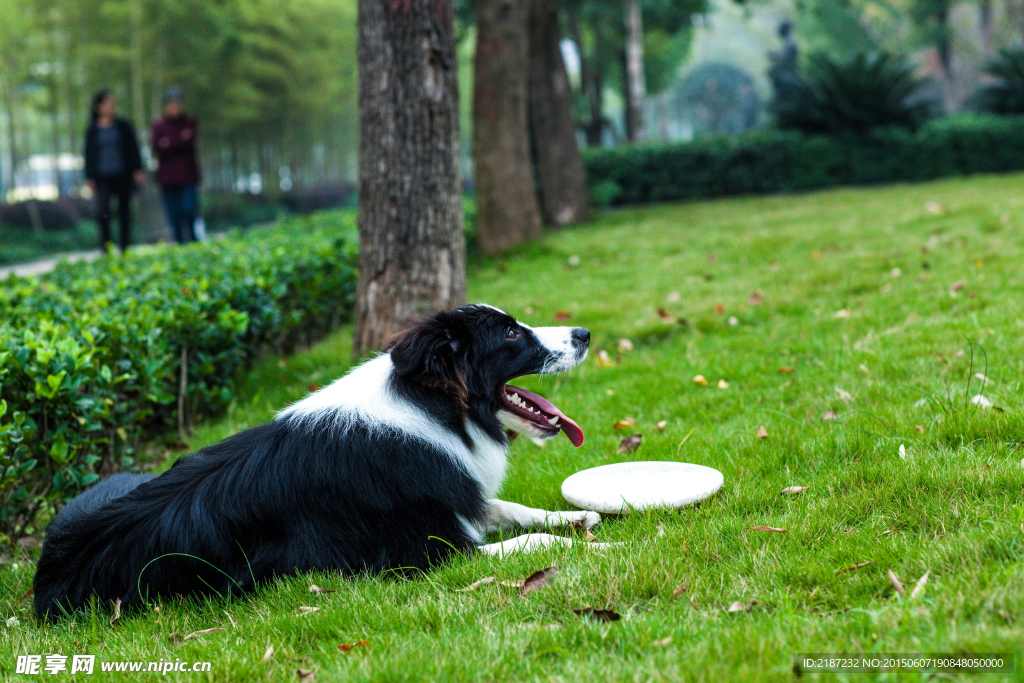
x=789, y=161
x=95, y=355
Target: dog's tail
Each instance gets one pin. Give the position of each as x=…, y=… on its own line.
x=58, y=588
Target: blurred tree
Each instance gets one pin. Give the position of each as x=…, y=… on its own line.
x=561, y=183
x=598, y=28
x=412, y=258
x=507, y=210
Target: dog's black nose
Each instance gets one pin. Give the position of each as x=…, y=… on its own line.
x=581, y=333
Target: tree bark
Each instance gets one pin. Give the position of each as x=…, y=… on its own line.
x=412, y=252
x=507, y=211
x=634, y=71
x=563, y=188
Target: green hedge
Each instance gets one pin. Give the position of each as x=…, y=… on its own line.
x=91, y=353
x=777, y=161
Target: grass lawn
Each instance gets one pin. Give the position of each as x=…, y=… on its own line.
x=877, y=308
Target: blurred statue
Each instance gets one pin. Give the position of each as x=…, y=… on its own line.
x=782, y=71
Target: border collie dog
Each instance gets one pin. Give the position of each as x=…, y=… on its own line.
x=393, y=466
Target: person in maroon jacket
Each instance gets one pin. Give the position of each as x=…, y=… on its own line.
x=173, y=141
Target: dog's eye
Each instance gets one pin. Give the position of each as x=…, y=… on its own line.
x=511, y=334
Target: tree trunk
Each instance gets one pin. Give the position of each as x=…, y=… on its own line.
x=507, y=212
x=563, y=187
x=634, y=71
x=412, y=251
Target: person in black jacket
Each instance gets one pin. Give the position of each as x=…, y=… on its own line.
x=113, y=165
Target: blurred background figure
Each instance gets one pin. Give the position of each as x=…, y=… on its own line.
x=173, y=141
x=113, y=166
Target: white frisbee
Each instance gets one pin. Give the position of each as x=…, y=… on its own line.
x=626, y=486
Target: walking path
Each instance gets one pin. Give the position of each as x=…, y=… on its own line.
x=47, y=264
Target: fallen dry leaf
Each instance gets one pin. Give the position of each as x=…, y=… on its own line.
x=786, y=369
x=603, y=360
x=268, y=654
x=842, y=313
x=630, y=444
x=198, y=634
x=919, y=586
x=719, y=309
x=701, y=380
x=895, y=581
x=476, y=584
x=793, y=490
x=762, y=433
x=722, y=384
x=313, y=386
x=313, y=588
x=562, y=316
x=661, y=425
x=957, y=286
x=537, y=580
x=756, y=298
x=673, y=297
x=665, y=315
x=679, y=591
x=306, y=675
x=829, y=415
x=864, y=369
x=26, y=596
x=347, y=647
x=854, y=568
x=888, y=532
x=844, y=395
x=711, y=257
x=625, y=422
x=919, y=428
x=306, y=609
x=933, y=207
x=768, y=528
x=738, y=606
x=663, y=642
x=116, y=614
x=980, y=401
x=895, y=272
x=605, y=615
x=625, y=345
x=587, y=536
x=573, y=261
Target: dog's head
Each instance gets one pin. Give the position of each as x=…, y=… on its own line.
x=471, y=353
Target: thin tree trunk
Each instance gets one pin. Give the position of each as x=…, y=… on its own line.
x=507, y=211
x=563, y=188
x=634, y=71
x=412, y=251
x=135, y=52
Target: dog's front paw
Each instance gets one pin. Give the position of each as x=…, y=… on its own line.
x=585, y=520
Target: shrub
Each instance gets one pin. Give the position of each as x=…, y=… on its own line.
x=869, y=91
x=1006, y=95
x=788, y=161
x=94, y=355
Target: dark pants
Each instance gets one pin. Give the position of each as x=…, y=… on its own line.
x=122, y=187
x=181, y=203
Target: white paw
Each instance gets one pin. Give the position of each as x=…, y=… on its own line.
x=581, y=519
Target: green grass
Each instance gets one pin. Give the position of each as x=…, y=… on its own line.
x=952, y=507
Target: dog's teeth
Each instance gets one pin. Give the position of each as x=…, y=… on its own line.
x=553, y=421
x=515, y=398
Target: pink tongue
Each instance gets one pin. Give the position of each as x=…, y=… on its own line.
x=571, y=429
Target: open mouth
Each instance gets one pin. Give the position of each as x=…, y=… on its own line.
x=542, y=414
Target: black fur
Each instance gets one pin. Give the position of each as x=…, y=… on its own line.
x=297, y=495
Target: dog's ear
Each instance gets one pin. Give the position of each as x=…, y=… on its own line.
x=430, y=352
